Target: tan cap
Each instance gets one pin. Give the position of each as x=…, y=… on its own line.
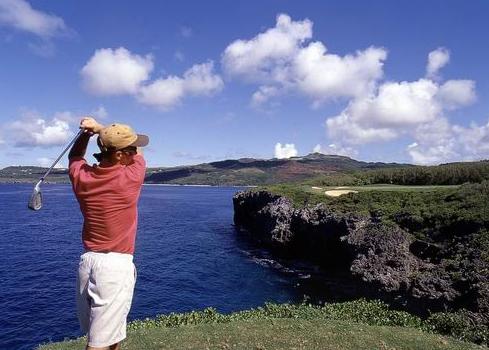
x=119, y=136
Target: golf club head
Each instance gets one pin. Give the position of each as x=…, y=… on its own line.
x=35, y=202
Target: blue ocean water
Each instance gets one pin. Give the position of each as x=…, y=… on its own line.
x=188, y=255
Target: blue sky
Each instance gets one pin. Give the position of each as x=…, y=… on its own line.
x=403, y=81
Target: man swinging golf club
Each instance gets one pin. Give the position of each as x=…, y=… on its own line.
x=108, y=194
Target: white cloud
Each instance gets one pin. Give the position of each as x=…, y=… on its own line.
x=436, y=60
x=398, y=108
x=65, y=116
x=201, y=80
x=456, y=93
x=323, y=75
x=395, y=105
x=166, y=93
x=163, y=93
x=263, y=95
x=281, y=60
x=335, y=149
x=36, y=131
x=47, y=162
x=258, y=57
x=20, y=15
x=114, y=72
x=286, y=151
x=344, y=129
x=99, y=113
x=440, y=141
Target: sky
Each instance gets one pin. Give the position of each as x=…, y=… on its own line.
x=389, y=81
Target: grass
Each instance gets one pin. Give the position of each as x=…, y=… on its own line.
x=385, y=187
x=281, y=334
x=357, y=324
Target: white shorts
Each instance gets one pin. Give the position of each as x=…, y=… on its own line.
x=105, y=286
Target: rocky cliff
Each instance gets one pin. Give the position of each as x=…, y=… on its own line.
x=384, y=259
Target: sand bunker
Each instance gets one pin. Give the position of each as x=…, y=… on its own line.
x=316, y=188
x=336, y=193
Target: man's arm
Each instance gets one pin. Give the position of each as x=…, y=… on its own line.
x=79, y=148
x=91, y=127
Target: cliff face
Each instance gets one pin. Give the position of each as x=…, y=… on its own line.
x=386, y=261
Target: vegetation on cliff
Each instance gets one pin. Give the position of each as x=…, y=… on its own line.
x=421, y=250
x=358, y=324
x=444, y=174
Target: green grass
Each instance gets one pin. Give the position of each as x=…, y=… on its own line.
x=386, y=187
x=359, y=324
x=281, y=334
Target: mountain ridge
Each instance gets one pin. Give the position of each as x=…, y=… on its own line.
x=242, y=171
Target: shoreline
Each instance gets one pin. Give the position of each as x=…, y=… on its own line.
x=144, y=184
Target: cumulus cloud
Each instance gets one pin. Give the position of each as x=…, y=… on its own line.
x=201, y=80
x=263, y=95
x=457, y=93
x=323, y=75
x=416, y=109
x=281, y=59
x=286, y=151
x=259, y=56
x=163, y=93
x=35, y=131
x=115, y=72
x=398, y=108
x=441, y=141
x=344, y=128
x=99, y=113
x=336, y=150
x=20, y=15
x=436, y=60
x=118, y=71
x=166, y=93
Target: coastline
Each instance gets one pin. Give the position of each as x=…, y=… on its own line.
x=177, y=185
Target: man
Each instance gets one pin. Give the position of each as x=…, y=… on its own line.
x=107, y=194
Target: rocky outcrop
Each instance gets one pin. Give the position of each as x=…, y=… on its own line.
x=385, y=260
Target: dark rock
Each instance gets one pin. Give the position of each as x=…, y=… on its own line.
x=383, y=260
x=426, y=250
x=382, y=256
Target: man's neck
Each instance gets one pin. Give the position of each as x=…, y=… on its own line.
x=107, y=164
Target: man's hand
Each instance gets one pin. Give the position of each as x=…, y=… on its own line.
x=90, y=125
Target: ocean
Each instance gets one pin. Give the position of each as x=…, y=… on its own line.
x=189, y=256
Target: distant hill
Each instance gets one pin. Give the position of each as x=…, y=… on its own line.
x=244, y=171
x=31, y=174
x=249, y=171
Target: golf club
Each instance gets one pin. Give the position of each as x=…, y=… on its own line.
x=35, y=202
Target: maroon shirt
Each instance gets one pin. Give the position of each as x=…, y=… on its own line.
x=108, y=200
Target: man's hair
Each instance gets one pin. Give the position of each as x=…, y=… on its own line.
x=107, y=154
x=103, y=155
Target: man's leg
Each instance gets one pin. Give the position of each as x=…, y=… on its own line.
x=115, y=346
x=111, y=293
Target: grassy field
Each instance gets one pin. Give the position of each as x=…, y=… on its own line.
x=281, y=334
x=358, y=324
x=385, y=187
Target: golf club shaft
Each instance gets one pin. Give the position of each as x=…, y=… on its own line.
x=61, y=155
